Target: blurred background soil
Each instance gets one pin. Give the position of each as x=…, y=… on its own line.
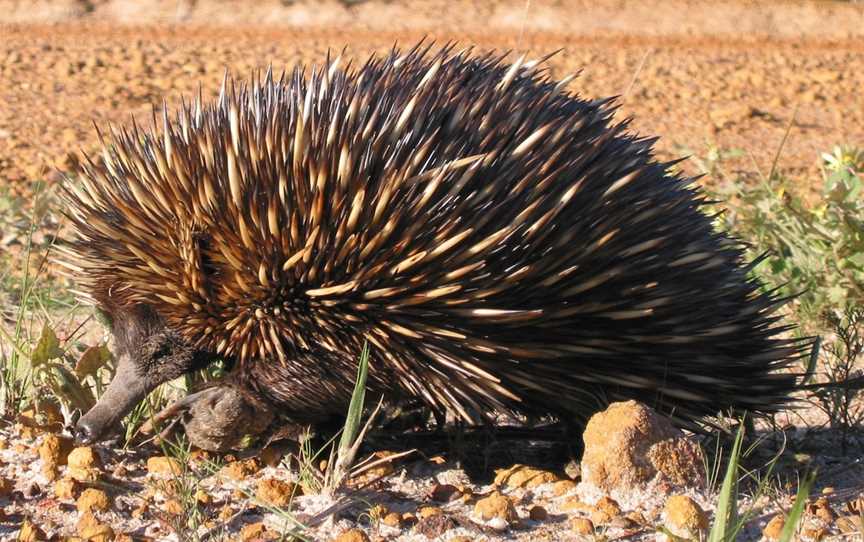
x=701, y=75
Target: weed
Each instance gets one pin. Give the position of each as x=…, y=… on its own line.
x=840, y=396
x=185, y=485
x=729, y=520
x=816, y=251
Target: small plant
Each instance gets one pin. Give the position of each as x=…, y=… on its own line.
x=728, y=519
x=840, y=397
x=25, y=290
x=341, y=463
x=842, y=169
x=815, y=250
x=183, y=487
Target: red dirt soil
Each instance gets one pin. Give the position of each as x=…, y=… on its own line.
x=698, y=74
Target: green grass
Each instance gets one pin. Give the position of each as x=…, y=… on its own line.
x=729, y=519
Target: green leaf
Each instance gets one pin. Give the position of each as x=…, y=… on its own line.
x=857, y=259
x=355, y=408
x=726, y=512
x=92, y=360
x=68, y=388
x=797, y=511
x=812, y=361
x=47, y=348
x=837, y=294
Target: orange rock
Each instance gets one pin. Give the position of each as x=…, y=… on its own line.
x=573, y=504
x=163, y=465
x=29, y=532
x=277, y=493
x=428, y=511
x=393, y=519
x=684, y=517
x=383, y=469
x=636, y=518
x=815, y=534
x=523, y=476
x=93, y=499
x=86, y=521
x=83, y=458
x=49, y=471
x=54, y=449
x=563, y=487
x=352, y=535
x=774, y=527
x=582, y=526
x=67, y=488
x=83, y=475
x=604, y=511
x=679, y=460
x=197, y=455
x=239, y=470
x=173, y=507
x=84, y=464
x=93, y=531
x=202, y=497
x=257, y=531
x=496, y=506
x=629, y=444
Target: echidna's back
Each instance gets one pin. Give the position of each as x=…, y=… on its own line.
x=497, y=240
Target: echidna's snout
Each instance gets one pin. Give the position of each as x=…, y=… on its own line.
x=150, y=353
x=127, y=389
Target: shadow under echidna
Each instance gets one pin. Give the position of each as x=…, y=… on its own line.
x=502, y=245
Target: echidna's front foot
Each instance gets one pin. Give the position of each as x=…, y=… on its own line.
x=217, y=419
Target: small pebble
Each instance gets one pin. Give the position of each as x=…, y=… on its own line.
x=582, y=526
x=164, y=465
x=352, y=535
x=496, y=506
x=277, y=493
x=538, y=513
x=93, y=499
x=774, y=527
x=684, y=517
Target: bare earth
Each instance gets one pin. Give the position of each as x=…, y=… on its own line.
x=702, y=75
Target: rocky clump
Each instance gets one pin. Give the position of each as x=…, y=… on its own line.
x=629, y=447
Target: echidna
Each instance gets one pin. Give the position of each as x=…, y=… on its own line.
x=501, y=244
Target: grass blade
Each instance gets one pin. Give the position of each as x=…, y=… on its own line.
x=726, y=512
x=355, y=408
x=797, y=511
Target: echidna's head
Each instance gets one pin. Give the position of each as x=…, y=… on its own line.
x=148, y=354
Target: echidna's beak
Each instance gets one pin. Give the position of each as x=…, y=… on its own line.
x=126, y=390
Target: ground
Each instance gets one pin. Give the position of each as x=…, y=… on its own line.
x=722, y=82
